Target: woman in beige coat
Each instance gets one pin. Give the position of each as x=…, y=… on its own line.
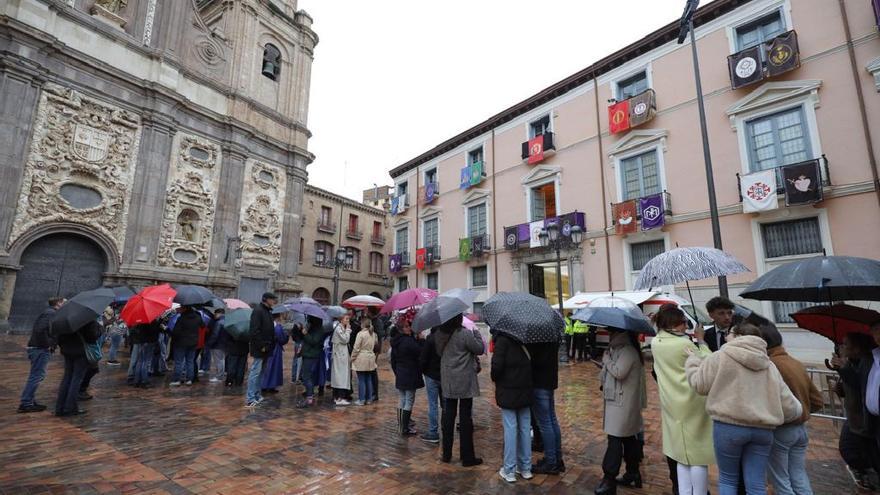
x=747, y=399
x=363, y=361
x=623, y=388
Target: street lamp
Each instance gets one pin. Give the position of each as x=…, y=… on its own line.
x=386, y=284
x=344, y=258
x=550, y=237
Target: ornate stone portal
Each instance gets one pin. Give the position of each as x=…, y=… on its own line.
x=262, y=208
x=188, y=221
x=81, y=165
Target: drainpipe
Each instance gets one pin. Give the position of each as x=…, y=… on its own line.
x=602, y=177
x=872, y=159
x=417, y=199
x=494, y=218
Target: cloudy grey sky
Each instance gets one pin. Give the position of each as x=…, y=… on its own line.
x=393, y=78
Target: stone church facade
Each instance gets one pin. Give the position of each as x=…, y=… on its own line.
x=149, y=141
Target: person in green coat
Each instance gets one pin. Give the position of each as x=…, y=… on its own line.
x=687, y=428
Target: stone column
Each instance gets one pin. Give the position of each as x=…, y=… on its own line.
x=227, y=213
x=516, y=267
x=576, y=270
x=7, y=287
x=287, y=282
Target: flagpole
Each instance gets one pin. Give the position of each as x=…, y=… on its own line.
x=707, y=158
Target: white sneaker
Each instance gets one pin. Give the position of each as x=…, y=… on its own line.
x=201, y=372
x=358, y=402
x=260, y=400
x=214, y=380
x=526, y=475
x=174, y=384
x=342, y=402
x=508, y=477
x=189, y=382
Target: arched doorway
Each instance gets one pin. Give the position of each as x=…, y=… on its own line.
x=347, y=294
x=54, y=265
x=321, y=295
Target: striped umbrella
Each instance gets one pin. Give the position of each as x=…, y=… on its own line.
x=685, y=264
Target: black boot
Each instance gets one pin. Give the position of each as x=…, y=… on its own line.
x=400, y=421
x=606, y=487
x=631, y=479
x=405, y=429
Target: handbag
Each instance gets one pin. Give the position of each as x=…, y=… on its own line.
x=93, y=350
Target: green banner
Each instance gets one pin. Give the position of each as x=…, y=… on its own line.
x=476, y=173
x=464, y=249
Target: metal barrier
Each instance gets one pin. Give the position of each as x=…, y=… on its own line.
x=826, y=381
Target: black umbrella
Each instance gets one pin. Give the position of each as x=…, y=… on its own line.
x=820, y=279
x=525, y=318
x=615, y=312
x=122, y=293
x=192, y=295
x=82, y=309
x=443, y=308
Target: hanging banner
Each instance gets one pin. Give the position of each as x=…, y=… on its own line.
x=653, y=211
x=394, y=263
x=476, y=173
x=534, y=233
x=464, y=249
x=641, y=108
x=465, y=178
x=783, y=54
x=420, y=258
x=430, y=191
x=745, y=67
x=803, y=183
x=395, y=205
x=536, y=149
x=401, y=203
x=876, y=4
x=625, y=217
x=758, y=191
x=523, y=234
x=511, y=243
x=618, y=117
x=477, y=245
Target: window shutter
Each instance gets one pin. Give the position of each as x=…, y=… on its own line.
x=525, y=150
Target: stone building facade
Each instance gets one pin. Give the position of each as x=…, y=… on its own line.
x=148, y=141
x=330, y=223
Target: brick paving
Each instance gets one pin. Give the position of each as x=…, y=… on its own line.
x=201, y=440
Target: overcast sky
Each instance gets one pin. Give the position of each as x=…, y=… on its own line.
x=393, y=78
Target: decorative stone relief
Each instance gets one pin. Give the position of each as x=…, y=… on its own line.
x=81, y=165
x=148, y=22
x=109, y=11
x=262, y=208
x=188, y=221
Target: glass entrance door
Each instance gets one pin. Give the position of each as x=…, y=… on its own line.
x=542, y=281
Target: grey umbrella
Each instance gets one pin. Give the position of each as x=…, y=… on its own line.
x=684, y=264
x=336, y=311
x=443, y=308
x=615, y=312
x=525, y=318
x=819, y=279
x=301, y=300
x=192, y=295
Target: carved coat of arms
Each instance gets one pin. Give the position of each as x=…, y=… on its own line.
x=90, y=144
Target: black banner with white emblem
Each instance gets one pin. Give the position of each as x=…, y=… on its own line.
x=745, y=67
x=783, y=54
x=803, y=183
x=510, y=239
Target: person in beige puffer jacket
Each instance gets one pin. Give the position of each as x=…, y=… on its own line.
x=747, y=399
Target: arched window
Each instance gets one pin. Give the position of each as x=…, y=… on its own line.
x=271, y=61
x=321, y=295
x=323, y=253
x=348, y=294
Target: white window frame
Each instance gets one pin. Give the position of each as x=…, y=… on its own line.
x=874, y=68
x=792, y=213
x=658, y=146
x=396, y=231
x=614, y=84
x=637, y=238
x=470, y=277
x=438, y=279
x=550, y=114
x=482, y=150
x=543, y=175
x=424, y=240
x=784, y=6
x=467, y=224
x=807, y=99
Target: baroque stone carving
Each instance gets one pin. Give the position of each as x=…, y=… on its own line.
x=113, y=6
x=79, y=144
x=262, y=208
x=188, y=221
x=148, y=22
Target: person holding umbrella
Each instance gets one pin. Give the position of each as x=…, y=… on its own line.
x=262, y=339
x=512, y=373
x=312, y=349
x=184, y=339
x=405, y=352
x=40, y=347
x=720, y=309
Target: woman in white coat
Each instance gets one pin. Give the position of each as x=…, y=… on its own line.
x=340, y=375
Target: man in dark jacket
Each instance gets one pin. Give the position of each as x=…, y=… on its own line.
x=39, y=350
x=184, y=339
x=545, y=379
x=720, y=309
x=312, y=347
x=75, y=365
x=429, y=362
x=262, y=339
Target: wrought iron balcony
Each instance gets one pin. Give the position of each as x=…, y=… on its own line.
x=821, y=163
x=355, y=234
x=326, y=226
x=377, y=239
x=474, y=247
x=548, y=145
x=519, y=236
x=432, y=254
x=666, y=206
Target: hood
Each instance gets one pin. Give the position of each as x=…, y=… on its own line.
x=619, y=340
x=749, y=351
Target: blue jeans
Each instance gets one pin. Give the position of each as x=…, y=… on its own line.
x=741, y=448
x=544, y=410
x=517, y=440
x=115, y=342
x=39, y=358
x=296, y=363
x=309, y=365
x=141, y=370
x=407, y=398
x=132, y=363
x=788, y=459
x=184, y=361
x=74, y=372
x=432, y=389
x=365, y=386
x=205, y=362
x=253, y=381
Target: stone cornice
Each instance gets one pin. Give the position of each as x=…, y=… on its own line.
x=348, y=202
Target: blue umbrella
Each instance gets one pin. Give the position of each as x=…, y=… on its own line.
x=336, y=311
x=308, y=310
x=122, y=293
x=615, y=312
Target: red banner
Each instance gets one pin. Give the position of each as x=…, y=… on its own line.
x=536, y=149
x=625, y=219
x=420, y=258
x=618, y=117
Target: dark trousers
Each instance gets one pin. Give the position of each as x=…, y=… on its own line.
x=858, y=452
x=374, y=375
x=625, y=448
x=74, y=371
x=91, y=371
x=569, y=339
x=591, y=343
x=464, y=408
x=235, y=366
x=580, y=344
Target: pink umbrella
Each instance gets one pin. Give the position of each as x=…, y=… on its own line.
x=408, y=298
x=361, y=302
x=236, y=304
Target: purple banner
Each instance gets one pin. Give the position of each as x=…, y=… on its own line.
x=522, y=233
x=394, y=263
x=652, y=211
x=876, y=4
x=429, y=191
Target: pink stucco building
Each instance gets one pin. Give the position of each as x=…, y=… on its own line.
x=805, y=107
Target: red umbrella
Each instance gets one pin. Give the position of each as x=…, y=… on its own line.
x=361, y=302
x=408, y=298
x=148, y=304
x=835, y=322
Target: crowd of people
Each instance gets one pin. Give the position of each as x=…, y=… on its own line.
x=729, y=395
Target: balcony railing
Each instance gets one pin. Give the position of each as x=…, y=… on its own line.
x=399, y=204
x=397, y=262
x=631, y=112
x=548, y=146
x=355, y=234
x=432, y=254
x=473, y=247
x=520, y=237
x=326, y=226
x=769, y=59
x=377, y=239
x=642, y=203
x=429, y=192
x=820, y=163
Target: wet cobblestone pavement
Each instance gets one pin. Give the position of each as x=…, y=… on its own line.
x=200, y=439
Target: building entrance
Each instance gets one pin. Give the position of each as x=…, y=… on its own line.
x=542, y=281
